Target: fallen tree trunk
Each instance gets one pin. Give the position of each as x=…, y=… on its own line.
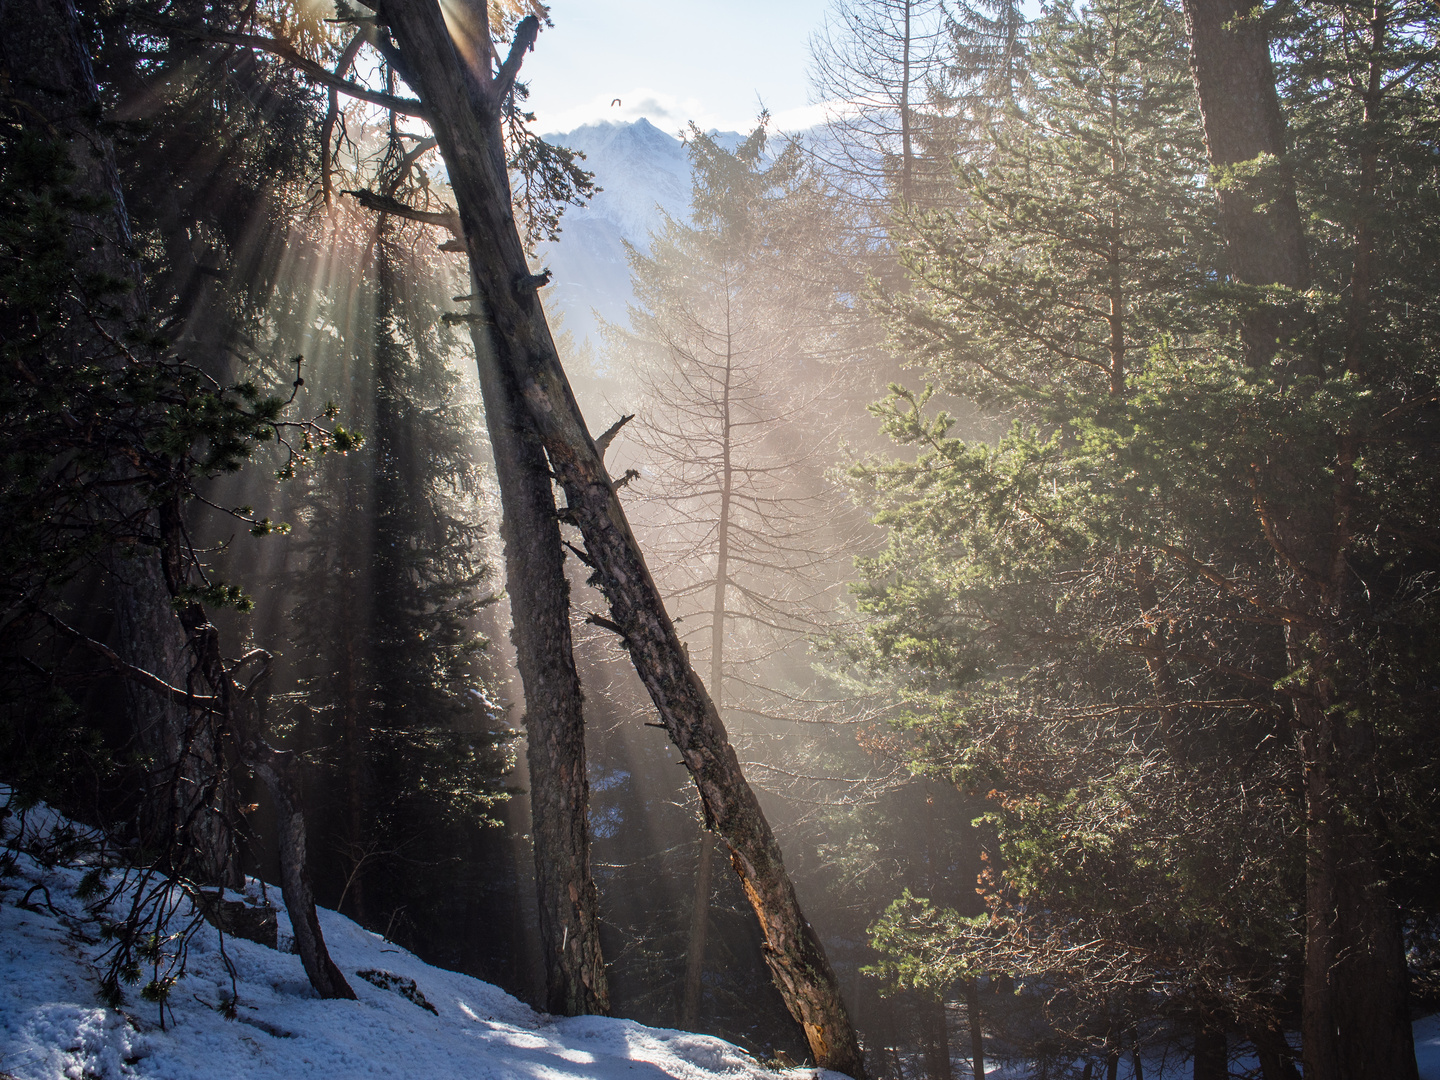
x=463, y=103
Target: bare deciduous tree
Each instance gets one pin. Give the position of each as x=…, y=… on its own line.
x=735, y=432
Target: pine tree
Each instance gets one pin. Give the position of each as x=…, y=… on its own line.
x=396, y=688
x=1056, y=657
x=1160, y=569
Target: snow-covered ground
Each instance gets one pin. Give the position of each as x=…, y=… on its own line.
x=54, y=1024
x=1427, y=1047
x=411, y=1020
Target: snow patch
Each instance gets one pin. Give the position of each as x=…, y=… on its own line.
x=54, y=1025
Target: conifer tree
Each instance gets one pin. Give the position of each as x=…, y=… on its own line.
x=1054, y=659
x=1159, y=568
x=730, y=443
x=395, y=690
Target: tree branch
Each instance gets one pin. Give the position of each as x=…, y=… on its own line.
x=387, y=48
x=605, y=624
x=386, y=205
x=130, y=671
x=332, y=114
x=603, y=442
x=424, y=146
x=297, y=60
x=525, y=34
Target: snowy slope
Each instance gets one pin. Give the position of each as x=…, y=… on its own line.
x=53, y=1024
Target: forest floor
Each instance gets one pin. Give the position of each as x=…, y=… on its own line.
x=425, y=1023
x=410, y=1019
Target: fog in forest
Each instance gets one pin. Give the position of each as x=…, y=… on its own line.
x=1022, y=480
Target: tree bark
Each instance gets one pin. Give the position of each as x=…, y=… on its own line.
x=1235, y=82
x=1259, y=215
x=1277, y=1059
x=274, y=771
x=937, y=1039
x=575, y=981
x=189, y=802
x=700, y=904
x=977, y=1033
x=539, y=592
x=1355, y=1021
x=464, y=108
x=1212, y=1060
x=699, y=932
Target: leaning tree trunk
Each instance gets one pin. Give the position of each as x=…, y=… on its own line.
x=274, y=771
x=463, y=105
x=189, y=801
x=568, y=902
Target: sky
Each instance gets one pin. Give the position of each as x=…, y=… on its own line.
x=710, y=61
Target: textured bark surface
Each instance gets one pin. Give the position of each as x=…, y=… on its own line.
x=1356, y=1018
x=699, y=933
x=1277, y=1059
x=185, y=818
x=1259, y=215
x=1211, y=1055
x=273, y=770
x=1355, y=1021
x=463, y=108
x=977, y=1030
x=575, y=981
x=936, y=1040
x=1235, y=81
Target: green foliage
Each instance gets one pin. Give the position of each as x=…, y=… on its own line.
x=123, y=413
x=1084, y=618
x=546, y=177
x=1082, y=233
x=917, y=940
x=393, y=694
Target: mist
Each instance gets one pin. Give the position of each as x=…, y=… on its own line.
x=945, y=590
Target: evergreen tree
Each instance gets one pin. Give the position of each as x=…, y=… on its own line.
x=1153, y=622
x=107, y=445
x=1046, y=597
x=395, y=690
